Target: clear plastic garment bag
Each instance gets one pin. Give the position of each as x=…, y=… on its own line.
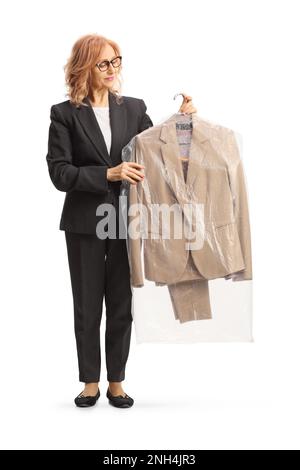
x=188, y=233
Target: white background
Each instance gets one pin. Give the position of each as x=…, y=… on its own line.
x=239, y=60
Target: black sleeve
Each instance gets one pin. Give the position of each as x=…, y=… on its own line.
x=145, y=121
x=64, y=175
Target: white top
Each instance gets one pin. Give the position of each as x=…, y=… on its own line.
x=102, y=115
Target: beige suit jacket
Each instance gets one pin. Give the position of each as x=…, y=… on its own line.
x=215, y=183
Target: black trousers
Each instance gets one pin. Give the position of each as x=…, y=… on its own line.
x=100, y=269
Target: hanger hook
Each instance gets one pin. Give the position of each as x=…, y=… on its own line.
x=183, y=95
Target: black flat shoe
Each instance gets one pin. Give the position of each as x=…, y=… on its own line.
x=83, y=401
x=119, y=401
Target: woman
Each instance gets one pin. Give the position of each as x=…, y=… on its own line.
x=86, y=137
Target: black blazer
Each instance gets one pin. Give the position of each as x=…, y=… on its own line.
x=78, y=159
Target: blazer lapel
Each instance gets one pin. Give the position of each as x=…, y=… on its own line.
x=170, y=150
x=117, y=116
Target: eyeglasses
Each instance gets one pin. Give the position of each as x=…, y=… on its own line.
x=116, y=62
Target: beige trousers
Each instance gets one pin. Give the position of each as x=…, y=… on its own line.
x=190, y=295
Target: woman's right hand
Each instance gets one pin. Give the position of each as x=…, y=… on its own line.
x=129, y=171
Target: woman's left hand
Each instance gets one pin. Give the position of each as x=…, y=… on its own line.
x=187, y=105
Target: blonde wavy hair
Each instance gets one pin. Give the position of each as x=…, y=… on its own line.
x=78, y=69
